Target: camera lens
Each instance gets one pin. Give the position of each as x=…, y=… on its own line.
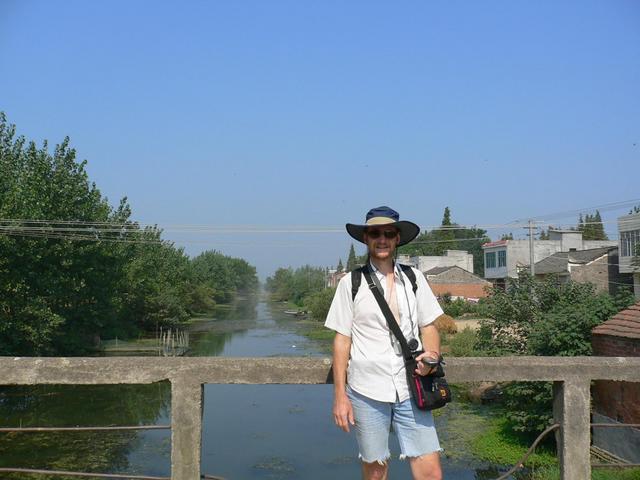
x=413, y=344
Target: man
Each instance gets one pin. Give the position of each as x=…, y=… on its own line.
x=371, y=392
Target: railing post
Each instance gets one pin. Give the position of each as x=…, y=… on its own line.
x=186, y=429
x=571, y=409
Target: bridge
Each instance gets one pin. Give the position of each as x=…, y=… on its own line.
x=571, y=377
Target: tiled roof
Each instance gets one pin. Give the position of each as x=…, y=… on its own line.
x=623, y=324
x=558, y=262
x=437, y=270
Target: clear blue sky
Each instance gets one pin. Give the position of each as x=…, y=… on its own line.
x=298, y=113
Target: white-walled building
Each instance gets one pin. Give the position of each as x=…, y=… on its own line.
x=451, y=258
x=505, y=258
x=629, y=229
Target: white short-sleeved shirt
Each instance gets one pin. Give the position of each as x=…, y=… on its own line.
x=376, y=365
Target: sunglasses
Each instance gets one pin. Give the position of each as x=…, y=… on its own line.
x=389, y=234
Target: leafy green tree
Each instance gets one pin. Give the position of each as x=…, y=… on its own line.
x=351, y=259
x=592, y=227
x=224, y=276
x=280, y=285
x=507, y=236
x=294, y=285
x=318, y=303
x=55, y=292
x=340, y=267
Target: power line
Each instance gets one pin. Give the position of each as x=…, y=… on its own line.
x=603, y=208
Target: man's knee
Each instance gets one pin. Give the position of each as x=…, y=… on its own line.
x=375, y=470
x=426, y=467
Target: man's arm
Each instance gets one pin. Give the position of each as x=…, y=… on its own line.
x=431, y=344
x=342, y=409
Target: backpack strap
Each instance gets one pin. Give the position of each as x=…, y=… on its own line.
x=408, y=271
x=356, y=279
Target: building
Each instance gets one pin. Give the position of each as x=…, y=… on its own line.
x=457, y=282
x=617, y=402
x=505, y=258
x=629, y=230
x=451, y=258
x=333, y=278
x=598, y=266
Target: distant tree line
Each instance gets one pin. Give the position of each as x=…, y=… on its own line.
x=294, y=285
x=63, y=289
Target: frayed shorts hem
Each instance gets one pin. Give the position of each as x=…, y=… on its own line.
x=405, y=457
x=382, y=461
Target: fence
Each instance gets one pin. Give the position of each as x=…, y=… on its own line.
x=572, y=378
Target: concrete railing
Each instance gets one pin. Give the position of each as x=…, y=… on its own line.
x=572, y=377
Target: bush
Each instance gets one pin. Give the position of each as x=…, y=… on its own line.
x=318, y=303
x=446, y=324
x=463, y=344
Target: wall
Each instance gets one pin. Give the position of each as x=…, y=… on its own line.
x=458, y=258
x=616, y=401
x=596, y=272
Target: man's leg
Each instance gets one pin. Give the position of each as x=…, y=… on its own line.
x=418, y=439
x=375, y=471
x=426, y=467
x=372, y=424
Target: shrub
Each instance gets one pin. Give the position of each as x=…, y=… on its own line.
x=463, y=344
x=446, y=324
x=318, y=303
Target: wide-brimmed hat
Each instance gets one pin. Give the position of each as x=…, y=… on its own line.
x=385, y=216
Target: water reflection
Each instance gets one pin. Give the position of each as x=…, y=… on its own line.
x=79, y=405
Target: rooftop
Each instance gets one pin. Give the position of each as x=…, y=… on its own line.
x=623, y=324
x=559, y=262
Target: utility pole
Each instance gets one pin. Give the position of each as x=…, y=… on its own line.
x=531, y=262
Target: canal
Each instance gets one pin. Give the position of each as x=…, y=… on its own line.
x=249, y=431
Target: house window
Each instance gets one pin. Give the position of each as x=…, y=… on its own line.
x=502, y=258
x=628, y=243
x=490, y=260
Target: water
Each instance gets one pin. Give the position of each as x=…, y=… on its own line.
x=249, y=431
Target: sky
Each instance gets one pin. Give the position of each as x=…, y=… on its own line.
x=266, y=118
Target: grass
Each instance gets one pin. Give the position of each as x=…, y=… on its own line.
x=500, y=445
x=553, y=473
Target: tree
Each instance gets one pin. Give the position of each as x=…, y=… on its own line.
x=507, y=236
x=294, y=285
x=592, y=227
x=56, y=293
x=340, y=267
x=351, y=259
x=544, y=235
x=318, y=303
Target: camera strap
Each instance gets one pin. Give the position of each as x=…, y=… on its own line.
x=386, y=311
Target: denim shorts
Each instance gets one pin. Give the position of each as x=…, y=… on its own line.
x=414, y=428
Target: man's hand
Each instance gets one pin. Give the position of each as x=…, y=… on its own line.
x=423, y=369
x=343, y=412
